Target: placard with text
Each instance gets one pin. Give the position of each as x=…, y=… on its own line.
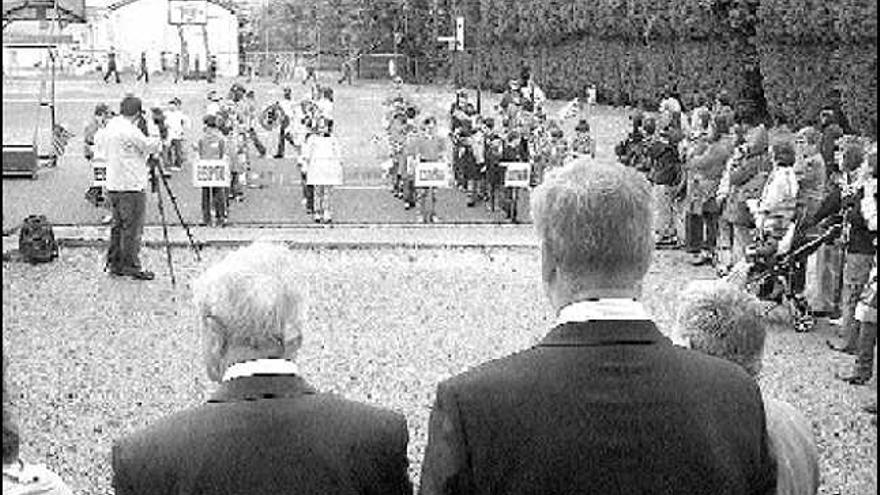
x=517, y=174
x=432, y=174
x=99, y=173
x=211, y=173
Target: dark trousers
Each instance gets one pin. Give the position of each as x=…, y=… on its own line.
x=175, y=154
x=308, y=193
x=123, y=254
x=214, y=197
x=144, y=74
x=111, y=69
x=865, y=353
x=283, y=136
x=252, y=135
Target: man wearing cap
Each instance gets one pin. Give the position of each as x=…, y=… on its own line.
x=127, y=178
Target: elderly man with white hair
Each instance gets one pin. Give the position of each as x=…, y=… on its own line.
x=265, y=430
x=723, y=321
x=604, y=403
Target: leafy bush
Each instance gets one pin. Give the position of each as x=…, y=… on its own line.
x=799, y=80
x=796, y=22
x=625, y=72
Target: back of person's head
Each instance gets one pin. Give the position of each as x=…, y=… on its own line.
x=852, y=153
x=594, y=221
x=210, y=121
x=757, y=140
x=721, y=320
x=102, y=110
x=724, y=98
x=783, y=152
x=721, y=125
x=637, y=119
x=582, y=126
x=130, y=106
x=250, y=306
x=649, y=125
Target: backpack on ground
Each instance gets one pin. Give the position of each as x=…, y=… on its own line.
x=36, y=240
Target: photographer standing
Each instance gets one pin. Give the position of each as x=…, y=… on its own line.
x=127, y=177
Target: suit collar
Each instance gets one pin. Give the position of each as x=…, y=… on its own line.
x=604, y=332
x=248, y=388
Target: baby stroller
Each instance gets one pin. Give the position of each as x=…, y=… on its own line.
x=774, y=278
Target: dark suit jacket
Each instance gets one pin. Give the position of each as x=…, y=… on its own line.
x=267, y=435
x=605, y=408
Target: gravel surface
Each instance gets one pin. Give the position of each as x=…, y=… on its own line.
x=93, y=358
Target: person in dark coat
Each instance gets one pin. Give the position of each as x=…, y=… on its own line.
x=604, y=403
x=265, y=430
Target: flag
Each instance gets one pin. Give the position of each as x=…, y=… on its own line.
x=60, y=137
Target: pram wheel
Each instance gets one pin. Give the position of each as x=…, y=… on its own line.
x=801, y=316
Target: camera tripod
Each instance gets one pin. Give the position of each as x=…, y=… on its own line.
x=158, y=174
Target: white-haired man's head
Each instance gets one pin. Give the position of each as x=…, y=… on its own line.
x=595, y=225
x=250, y=307
x=724, y=321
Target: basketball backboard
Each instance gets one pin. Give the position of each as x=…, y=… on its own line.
x=187, y=12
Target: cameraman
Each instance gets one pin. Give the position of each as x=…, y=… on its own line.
x=127, y=177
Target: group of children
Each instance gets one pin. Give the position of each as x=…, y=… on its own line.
x=481, y=146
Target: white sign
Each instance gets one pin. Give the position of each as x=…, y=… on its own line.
x=99, y=173
x=211, y=173
x=187, y=12
x=517, y=174
x=432, y=174
x=459, y=33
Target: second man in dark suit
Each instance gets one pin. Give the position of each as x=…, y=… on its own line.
x=605, y=403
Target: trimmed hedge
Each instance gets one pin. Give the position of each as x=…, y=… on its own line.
x=798, y=22
x=625, y=72
x=776, y=55
x=799, y=80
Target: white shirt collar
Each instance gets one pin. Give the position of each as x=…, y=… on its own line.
x=603, y=309
x=260, y=367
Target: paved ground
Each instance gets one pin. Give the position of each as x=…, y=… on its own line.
x=58, y=192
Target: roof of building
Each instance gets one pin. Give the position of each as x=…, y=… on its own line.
x=70, y=10
x=226, y=4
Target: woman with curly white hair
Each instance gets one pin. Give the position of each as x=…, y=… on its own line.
x=721, y=320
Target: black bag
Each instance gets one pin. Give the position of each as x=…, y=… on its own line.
x=36, y=240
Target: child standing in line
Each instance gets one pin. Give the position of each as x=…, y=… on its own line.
x=323, y=168
x=583, y=144
x=177, y=122
x=212, y=146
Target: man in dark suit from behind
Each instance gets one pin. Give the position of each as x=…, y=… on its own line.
x=265, y=431
x=604, y=404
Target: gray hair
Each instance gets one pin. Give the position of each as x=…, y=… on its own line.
x=253, y=298
x=724, y=321
x=596, y=218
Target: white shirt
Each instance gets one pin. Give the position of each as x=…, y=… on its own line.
x=602, y=309
x=177, y=122
x=260, y=367
x=127, y=152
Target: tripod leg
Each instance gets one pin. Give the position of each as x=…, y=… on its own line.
x=192, y=242
x=165, y=236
